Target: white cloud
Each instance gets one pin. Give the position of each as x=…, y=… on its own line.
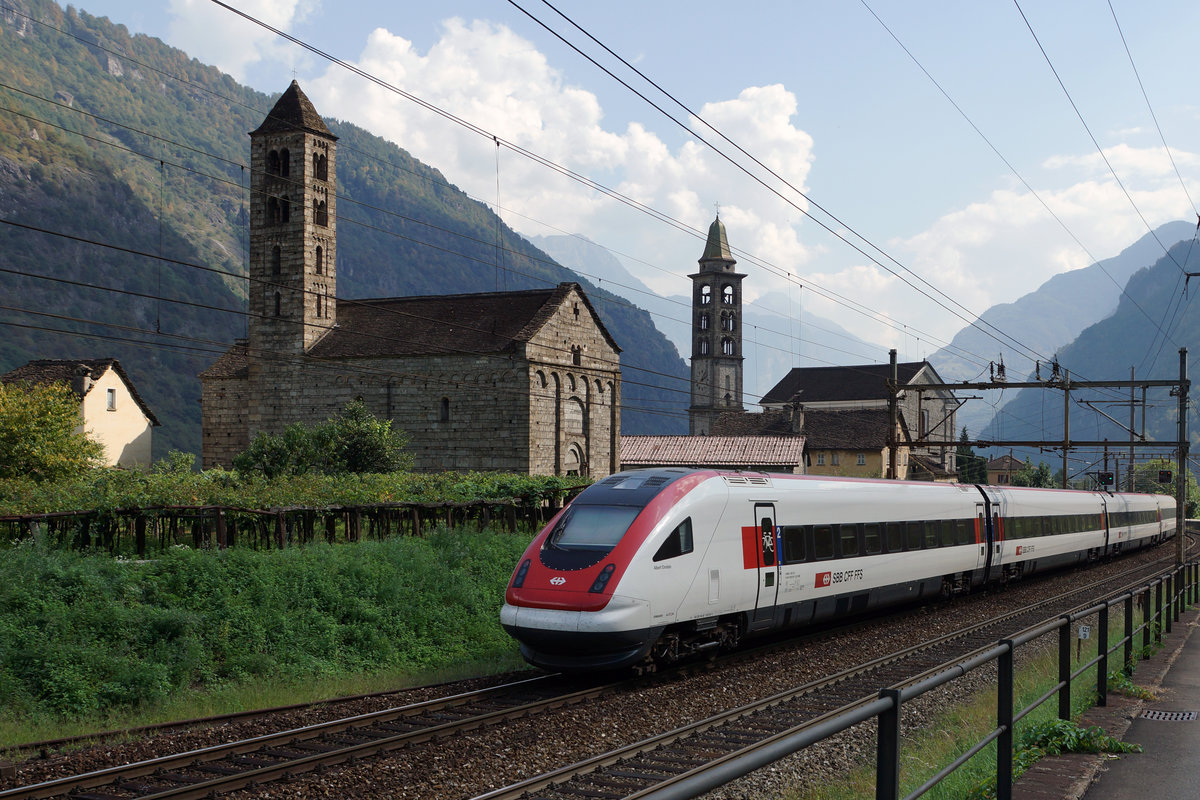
x=217, y=36
x=493, y=78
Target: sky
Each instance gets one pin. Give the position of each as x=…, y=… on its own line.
x=938, y=132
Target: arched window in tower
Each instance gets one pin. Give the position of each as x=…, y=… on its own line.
x=704, y=322
x=273, y=162
x=444, y=412
x=727, y=347
x=703, y=348
x=285, y=162
x=273, y=210
x=320, y=306
x=577, y=355
x=285, y=209
x=319, y=262
x=320, y=212
x=276, y=260
x=278, y=304
x=726, y=321
x=727, y=294
x=705, y=295
x=320, y=167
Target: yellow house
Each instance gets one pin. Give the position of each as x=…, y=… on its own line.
x=111, y=410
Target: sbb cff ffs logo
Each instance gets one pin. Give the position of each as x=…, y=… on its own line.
x=823, y=579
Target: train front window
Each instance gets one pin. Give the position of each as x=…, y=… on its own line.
x=592, y=527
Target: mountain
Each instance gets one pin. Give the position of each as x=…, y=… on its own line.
x=123, y=221
x=1051, y=316
x=1107, y=349
x=771, y=326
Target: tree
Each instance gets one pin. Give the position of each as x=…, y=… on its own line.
x=972, y=468
x=354, y=441
x=1145, y=479
x=1030, y=475
x=40, y=433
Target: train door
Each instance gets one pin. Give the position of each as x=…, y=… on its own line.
x=991, y=535
x=1104, y=522
x=768, y=566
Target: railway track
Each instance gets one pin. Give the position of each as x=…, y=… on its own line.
x=635, y=770
x=279, y=756
x=247, y=763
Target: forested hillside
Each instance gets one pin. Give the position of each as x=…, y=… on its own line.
x=1154, y=302
x=123, y=217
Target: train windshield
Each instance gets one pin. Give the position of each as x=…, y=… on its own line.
x=588, y=527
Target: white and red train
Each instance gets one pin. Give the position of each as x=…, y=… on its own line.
x=653, y=565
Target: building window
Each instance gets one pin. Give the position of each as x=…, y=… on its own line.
x=835, y=459
x=577, y=355
x=276, y=260
x=278, y=304
x=705, y=295
x=273, y=162
x=703, y=347
x=727, y=294
x=285, y=162
x=320, y=212
x=862, y=460
x=112, y=399
x=704, y=322
x=727, y=347
x=320, y=261
x=320, y=305
x=727, y=322
x=444, y=413
x=320, y=167
x=820, y=459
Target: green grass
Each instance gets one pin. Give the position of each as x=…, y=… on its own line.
x=958, y=729
x=88, y=642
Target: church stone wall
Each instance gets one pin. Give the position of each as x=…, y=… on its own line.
x=223, y=421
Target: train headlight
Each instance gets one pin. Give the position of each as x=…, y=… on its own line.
x=602, y=579
x=519, y=580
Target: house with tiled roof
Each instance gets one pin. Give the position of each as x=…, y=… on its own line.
x=1000, y=470
x=926, y=415
x=749, y=453
x=111, y=411
x=525, y=381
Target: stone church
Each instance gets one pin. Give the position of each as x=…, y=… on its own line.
x=525, y=381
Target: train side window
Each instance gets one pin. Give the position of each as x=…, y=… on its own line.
x=871, y=539
x=964, y=531
x=822, y=542
x=849, y=536
x=793, y=544
x=931, y=533
x=677, y=543
x=914, y=533
x=895, y=536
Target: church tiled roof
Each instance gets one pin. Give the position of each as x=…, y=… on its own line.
x=62, y=370
x=740, y=423
x=231, y=364
x=294, y=111
x=831, y=384
x=759, y=451
x=460, y=324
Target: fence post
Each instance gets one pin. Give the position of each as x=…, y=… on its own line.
x=1064, y=669
x=1177, y=595
x=1129, y=634
x=1004, y=721
x=139, y=535
x=1146, y=624
x=1158, y=622
x=887, y=754
x=1102, y=652
x=280, y=531
x=1169, y=602
x=222, y=539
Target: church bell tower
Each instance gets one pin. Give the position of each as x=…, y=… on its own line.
x=293, y=222
x=716, y=334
